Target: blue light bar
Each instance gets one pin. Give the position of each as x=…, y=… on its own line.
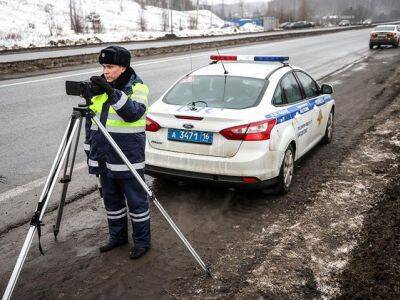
x=271, y=58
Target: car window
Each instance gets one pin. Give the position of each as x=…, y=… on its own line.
x=217, y=91
x=384, y=28
x=278, y=99
x=309, y=85
x=291, y=88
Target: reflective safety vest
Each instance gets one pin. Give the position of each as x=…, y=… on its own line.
x=126, y=122
x=114, y=122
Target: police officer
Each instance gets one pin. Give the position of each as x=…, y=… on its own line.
x=122, y=110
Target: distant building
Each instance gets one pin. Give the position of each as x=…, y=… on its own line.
x=241, y=22
x=270, y=23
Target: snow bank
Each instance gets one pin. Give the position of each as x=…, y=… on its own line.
x=37, y=23
x=251, y=27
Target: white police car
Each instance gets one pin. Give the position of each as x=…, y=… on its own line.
x=239, y=120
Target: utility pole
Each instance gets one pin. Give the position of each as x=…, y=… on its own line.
x=197, y=15
x=170, y=16
x=241, y=8
x=211, y=13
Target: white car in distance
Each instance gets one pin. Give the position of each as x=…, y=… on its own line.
x=241, y=120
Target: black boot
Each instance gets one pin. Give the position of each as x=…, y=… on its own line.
x=138, y=252
x=111, y=245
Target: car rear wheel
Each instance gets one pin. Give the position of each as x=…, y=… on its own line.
x=329, y=129
x=286, y=172
x=396, y=45
x=371, y=46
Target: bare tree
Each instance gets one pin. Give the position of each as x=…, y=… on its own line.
x=241, y=8
x=95, y=20
x=222, y=10
x=142, y=3
x=164, y=20
x=303, y=10
x=121, y=8
x=142, y=21
x=192, y=22
x=197, y=15
x=359, y=9
x=76, y=19
x=49, y=10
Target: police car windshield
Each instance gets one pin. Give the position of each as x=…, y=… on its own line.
x=384, y=28
x=218, y=91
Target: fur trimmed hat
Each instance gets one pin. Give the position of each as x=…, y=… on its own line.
x=115, y=55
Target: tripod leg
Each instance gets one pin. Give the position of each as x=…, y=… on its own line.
x=20, y=262
x=65, y=180
x=150, y=193
x=56, y=161
x=42, y=204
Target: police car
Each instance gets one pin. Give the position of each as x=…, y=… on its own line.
x=241, y=120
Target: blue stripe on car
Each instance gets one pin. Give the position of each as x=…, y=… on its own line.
x=290, y=112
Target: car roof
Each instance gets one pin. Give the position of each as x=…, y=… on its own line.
x=246, y=69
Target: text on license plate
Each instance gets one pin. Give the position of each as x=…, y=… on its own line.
x=190, y=136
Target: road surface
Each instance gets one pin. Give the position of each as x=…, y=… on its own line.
x=312, y=242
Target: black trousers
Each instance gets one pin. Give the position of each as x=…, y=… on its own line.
x=123, y=198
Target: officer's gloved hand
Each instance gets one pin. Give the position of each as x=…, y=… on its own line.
x=87, y=94
x=103, y=84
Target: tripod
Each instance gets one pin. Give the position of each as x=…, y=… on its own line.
x=63, y=155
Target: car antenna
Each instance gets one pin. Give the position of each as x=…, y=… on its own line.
x=225, y=71
x=193, y=103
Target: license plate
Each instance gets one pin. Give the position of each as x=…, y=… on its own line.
x=190, y=136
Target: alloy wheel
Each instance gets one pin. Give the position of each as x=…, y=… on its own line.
x=288, y=168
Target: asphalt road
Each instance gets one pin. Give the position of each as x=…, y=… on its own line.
x=39, y=54
x=35, y=110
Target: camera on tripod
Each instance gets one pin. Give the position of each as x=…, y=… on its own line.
x=84, y=89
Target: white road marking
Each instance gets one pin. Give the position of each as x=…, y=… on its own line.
x=31, y=185
x=97, y=70
x=41, y=181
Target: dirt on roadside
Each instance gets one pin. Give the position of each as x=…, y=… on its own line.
x=346, y=241
x=334, y=235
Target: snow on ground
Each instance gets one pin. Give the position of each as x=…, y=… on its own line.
x=38, y=23
x=251, y=27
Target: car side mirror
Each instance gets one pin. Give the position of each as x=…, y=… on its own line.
x=326, y=89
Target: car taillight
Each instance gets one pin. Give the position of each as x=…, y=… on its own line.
x=391, y=34
x=374, y=34
x=257, y=131
x=151, y=125
x=250, y=180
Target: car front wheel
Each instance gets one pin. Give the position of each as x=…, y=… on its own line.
x=286, y=172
